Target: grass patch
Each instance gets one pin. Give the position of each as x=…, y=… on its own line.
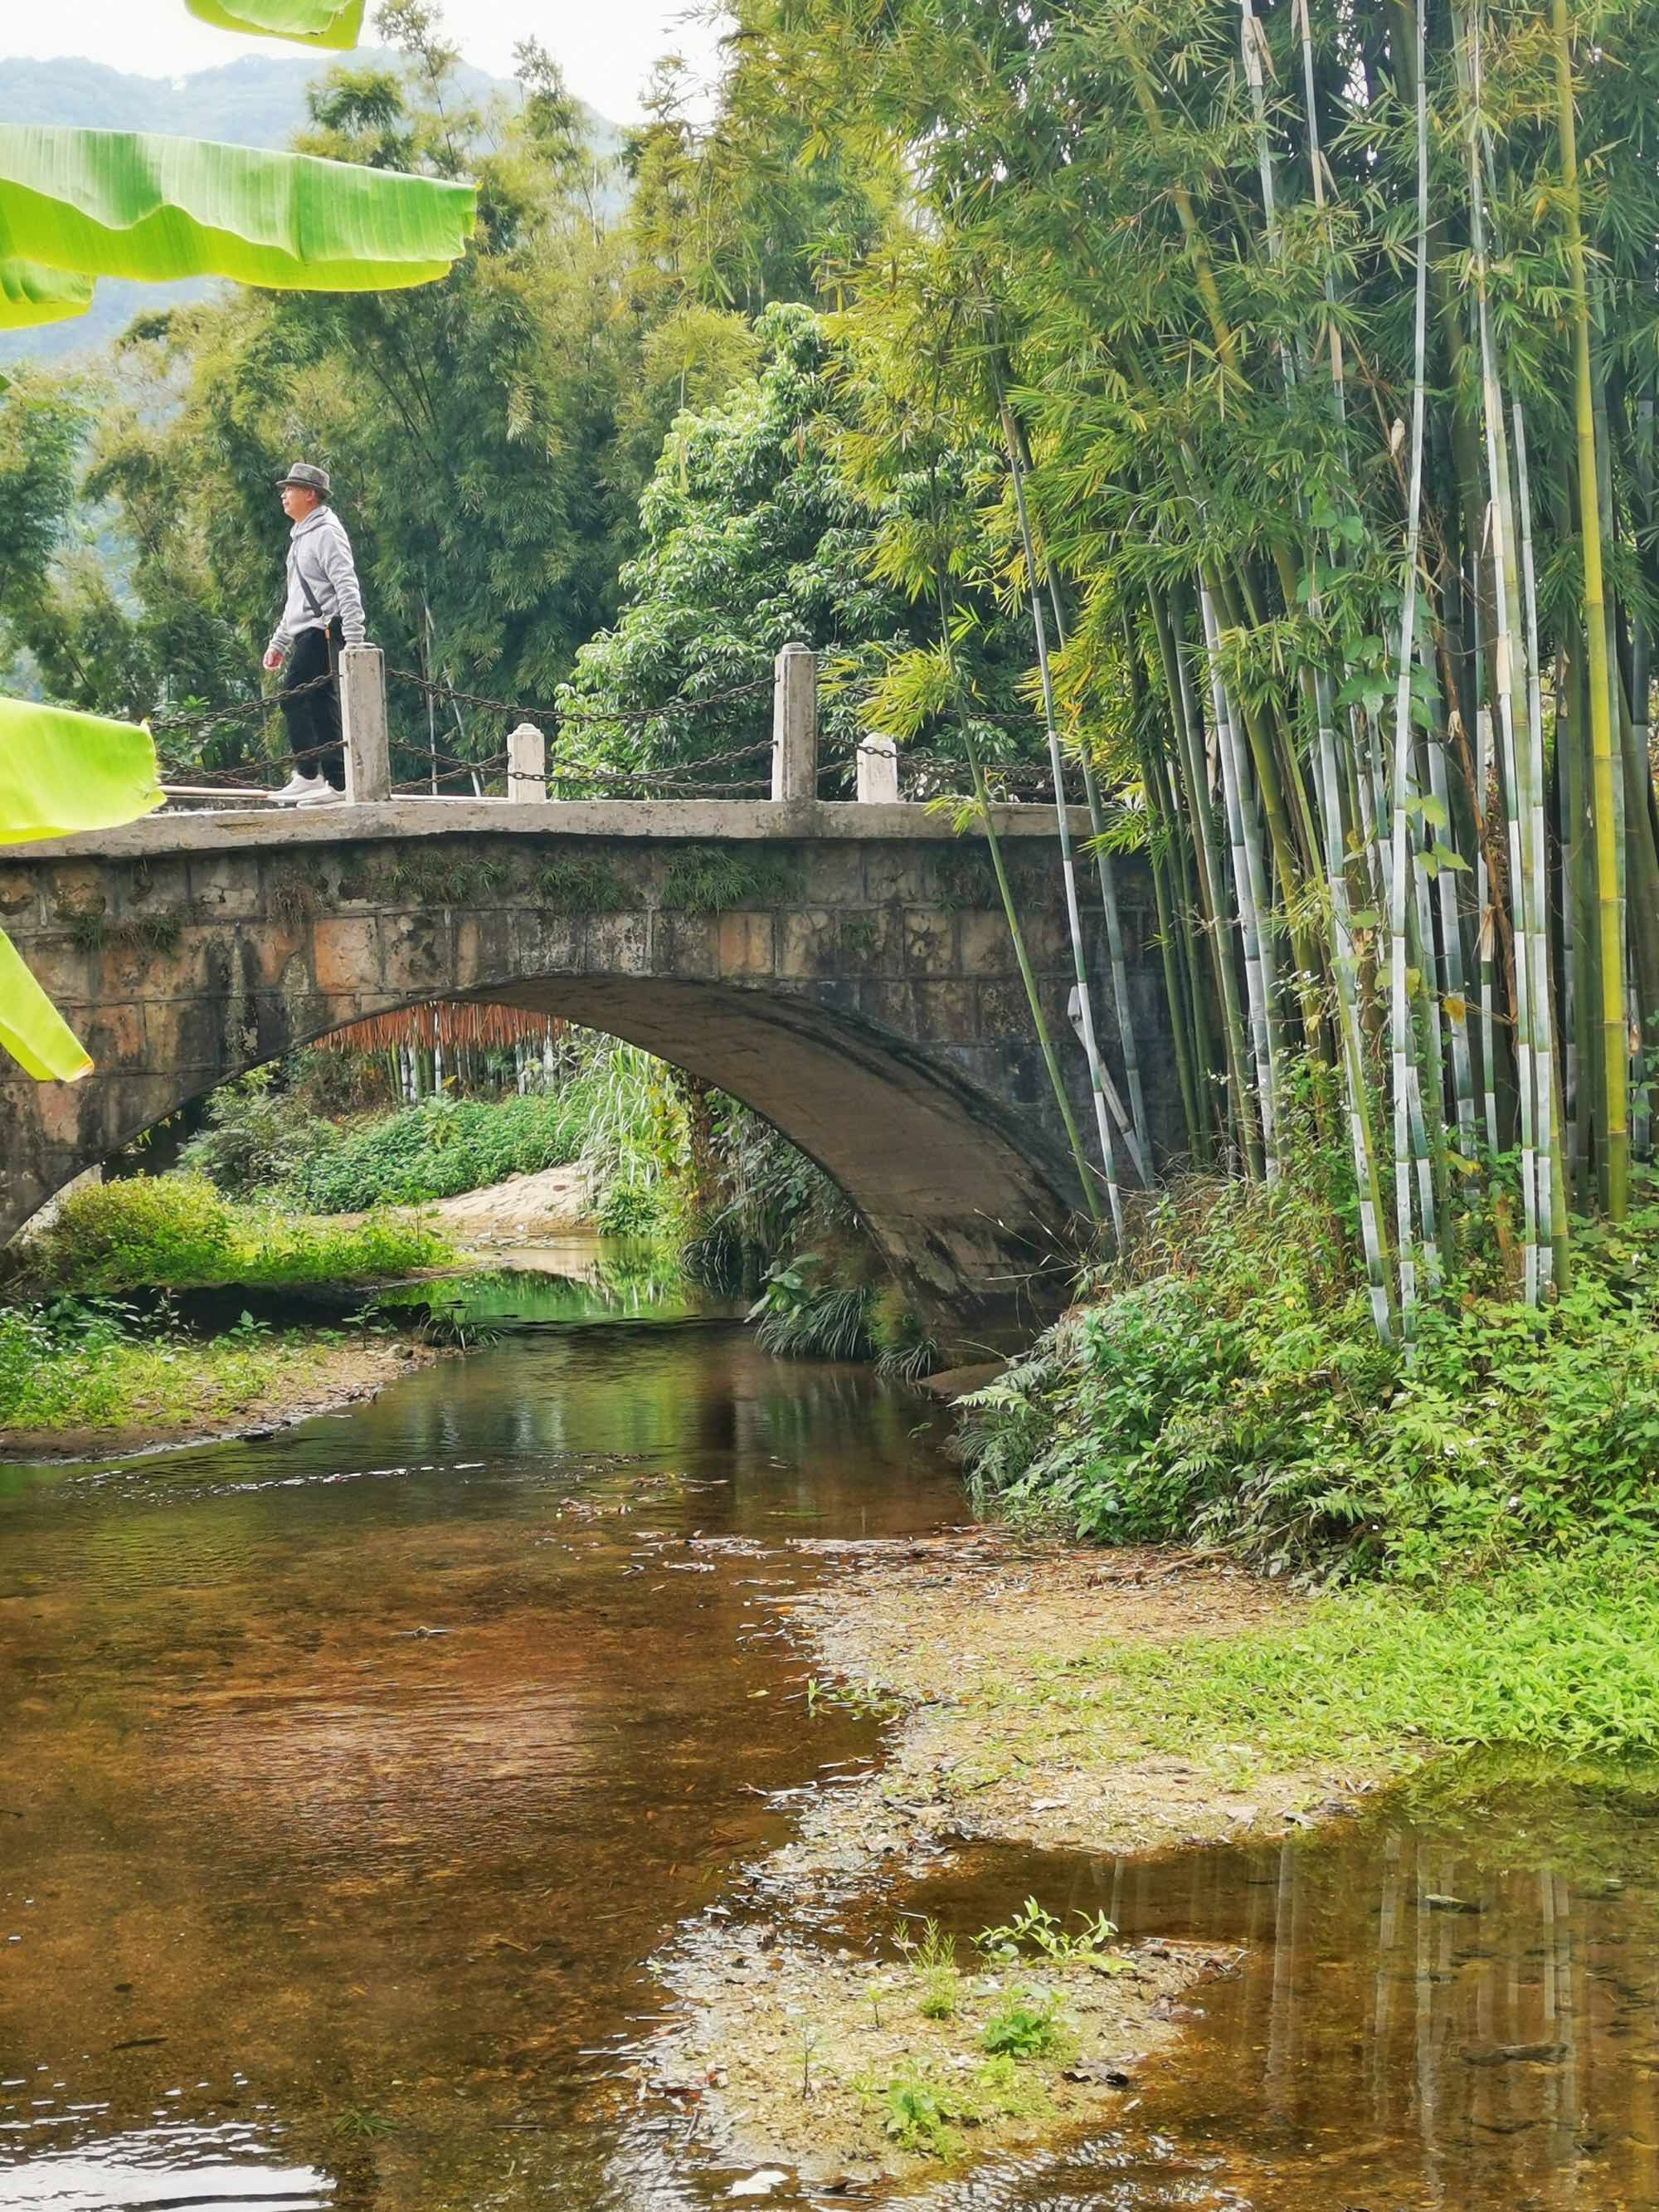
x=177, y=1232
x=712, y=879
x=94, y=1363
x=1561, y=1655
x=924, y=2111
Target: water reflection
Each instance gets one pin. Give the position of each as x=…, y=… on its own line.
x=570, y=1280
x=367, y=1762
x=346, y=1778
x=201, y=2168
x=1455, y=2003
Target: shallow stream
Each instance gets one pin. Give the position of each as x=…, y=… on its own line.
x=349, y=1777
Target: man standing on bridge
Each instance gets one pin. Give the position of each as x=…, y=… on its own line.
x=323, y=610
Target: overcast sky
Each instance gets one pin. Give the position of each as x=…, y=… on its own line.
x=605, y=47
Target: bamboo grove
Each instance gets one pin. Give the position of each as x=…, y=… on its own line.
x=1317, y=344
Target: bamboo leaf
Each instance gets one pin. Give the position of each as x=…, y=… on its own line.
x=120, y=203
x=32, y=1029
x=314, y=22
x=62, y=772
x=30, y=295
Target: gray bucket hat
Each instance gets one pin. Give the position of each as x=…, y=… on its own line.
x=308, y=475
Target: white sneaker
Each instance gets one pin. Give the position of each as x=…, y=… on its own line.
x=322, y=793
x=297, y=787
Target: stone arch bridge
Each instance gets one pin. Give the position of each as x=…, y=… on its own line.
x=843, y=968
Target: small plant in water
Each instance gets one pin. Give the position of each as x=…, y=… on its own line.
x=365, y=2126
x=1032, y=1929
x=917, y=2116
x=1024, y=2027
x=931, y=1958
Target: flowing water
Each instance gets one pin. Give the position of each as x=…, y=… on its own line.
x=348, y=1779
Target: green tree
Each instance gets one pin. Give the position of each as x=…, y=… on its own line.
x=756, y=535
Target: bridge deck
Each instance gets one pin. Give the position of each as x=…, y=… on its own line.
x=708, y=821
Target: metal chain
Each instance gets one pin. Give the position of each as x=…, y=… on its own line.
x=210, y=716
x=447, y=692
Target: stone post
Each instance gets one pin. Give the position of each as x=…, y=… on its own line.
x=795, y=724
x=879, y=781
x=527, y=762
x=363, y=723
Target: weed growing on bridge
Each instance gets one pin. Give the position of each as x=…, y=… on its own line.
x=583, y=883
x=964, y=881
x=710, y=879
x=93, y=932
x=439, y=878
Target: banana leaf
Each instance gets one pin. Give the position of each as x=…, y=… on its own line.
x=316, y=22
x=32, y=1029
x=30, y=295
x=62, y=772
x=121, y=203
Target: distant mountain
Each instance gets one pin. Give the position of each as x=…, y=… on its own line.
x=259, y=100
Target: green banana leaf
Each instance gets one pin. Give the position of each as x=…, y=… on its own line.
x=317, y=22
x=32, y=1029
x=30, y=295
x=61, y=772
x=119, y=204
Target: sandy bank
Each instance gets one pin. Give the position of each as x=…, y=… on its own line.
x=992, y=1657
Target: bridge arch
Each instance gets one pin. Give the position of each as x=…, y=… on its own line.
x=854, y=986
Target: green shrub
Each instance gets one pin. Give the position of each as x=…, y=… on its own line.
x=255, y=1136
x=172, y=1230
x=177, y=1232
x=1231, y=1391
x=799, y=1318
x=436, y=1150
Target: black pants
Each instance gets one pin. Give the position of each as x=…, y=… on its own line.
x=313, y=721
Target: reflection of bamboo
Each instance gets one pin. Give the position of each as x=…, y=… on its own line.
x=1281, y=2019
x=1388, y=1938
x=1423, y=2022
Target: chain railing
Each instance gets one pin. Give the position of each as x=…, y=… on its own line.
x=789, y=765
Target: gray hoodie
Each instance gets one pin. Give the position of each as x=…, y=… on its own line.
x=322, y=581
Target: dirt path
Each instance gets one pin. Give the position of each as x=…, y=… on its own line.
x=992, y=1657
x=519, y=1211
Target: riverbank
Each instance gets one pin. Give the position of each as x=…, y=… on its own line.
x=123, y=1397
x=95, y=1358
x=803, y=2051
x=1047, y=1698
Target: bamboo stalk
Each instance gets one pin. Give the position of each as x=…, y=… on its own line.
x=1016, y=934
x=1604, y=778
x=1068, y=867
x=1248, y=892
x=1207, y=845
x=1552, y=1227
x=1399, y=1011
